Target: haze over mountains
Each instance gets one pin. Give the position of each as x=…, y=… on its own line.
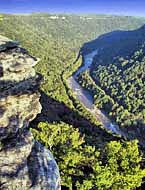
x=112, y=7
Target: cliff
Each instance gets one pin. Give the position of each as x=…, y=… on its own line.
x=24, y=163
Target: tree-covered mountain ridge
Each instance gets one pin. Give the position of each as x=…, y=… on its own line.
x=117, y=40
x=117, y=78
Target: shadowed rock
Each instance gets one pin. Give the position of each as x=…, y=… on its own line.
x=6, y=43
x=24, y=163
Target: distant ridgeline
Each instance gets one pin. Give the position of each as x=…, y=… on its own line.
x=119, y=75
x=116, y=43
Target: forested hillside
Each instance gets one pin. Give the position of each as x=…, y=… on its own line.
x=117, y=77
x=89, y=157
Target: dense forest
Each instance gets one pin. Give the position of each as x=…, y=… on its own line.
x=88, y=156
x=116, y=79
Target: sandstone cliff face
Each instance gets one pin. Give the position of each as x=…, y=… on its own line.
x=24, y=163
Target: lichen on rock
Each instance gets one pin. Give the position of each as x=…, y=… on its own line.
x=24, y=163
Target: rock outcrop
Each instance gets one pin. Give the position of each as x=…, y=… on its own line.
x=24, y=163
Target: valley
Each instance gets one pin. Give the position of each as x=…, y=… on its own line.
x=93, y=109
x=86, y=98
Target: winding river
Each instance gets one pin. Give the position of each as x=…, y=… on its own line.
x=86, y=98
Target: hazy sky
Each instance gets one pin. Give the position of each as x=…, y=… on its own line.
x=123, y=7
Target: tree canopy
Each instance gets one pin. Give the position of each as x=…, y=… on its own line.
x=84, y=167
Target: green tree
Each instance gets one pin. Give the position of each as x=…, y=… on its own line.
x=69, y=149
x=1, y=17
x=114, y=167
x=122, y=170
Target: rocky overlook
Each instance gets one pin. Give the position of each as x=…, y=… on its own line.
x=24, y=163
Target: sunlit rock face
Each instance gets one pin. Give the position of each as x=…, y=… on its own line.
x=24, y=163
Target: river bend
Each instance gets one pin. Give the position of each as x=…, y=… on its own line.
x=86, y=98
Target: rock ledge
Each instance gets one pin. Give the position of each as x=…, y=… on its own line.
x=24, y=163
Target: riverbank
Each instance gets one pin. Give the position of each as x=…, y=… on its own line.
x=86, y=98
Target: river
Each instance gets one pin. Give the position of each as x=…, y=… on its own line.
x=86, y=98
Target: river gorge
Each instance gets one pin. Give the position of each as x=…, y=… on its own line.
x=86, y=98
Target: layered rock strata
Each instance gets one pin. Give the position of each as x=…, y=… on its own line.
x=24, y=163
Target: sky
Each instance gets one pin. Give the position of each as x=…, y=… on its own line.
x=116, y=7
